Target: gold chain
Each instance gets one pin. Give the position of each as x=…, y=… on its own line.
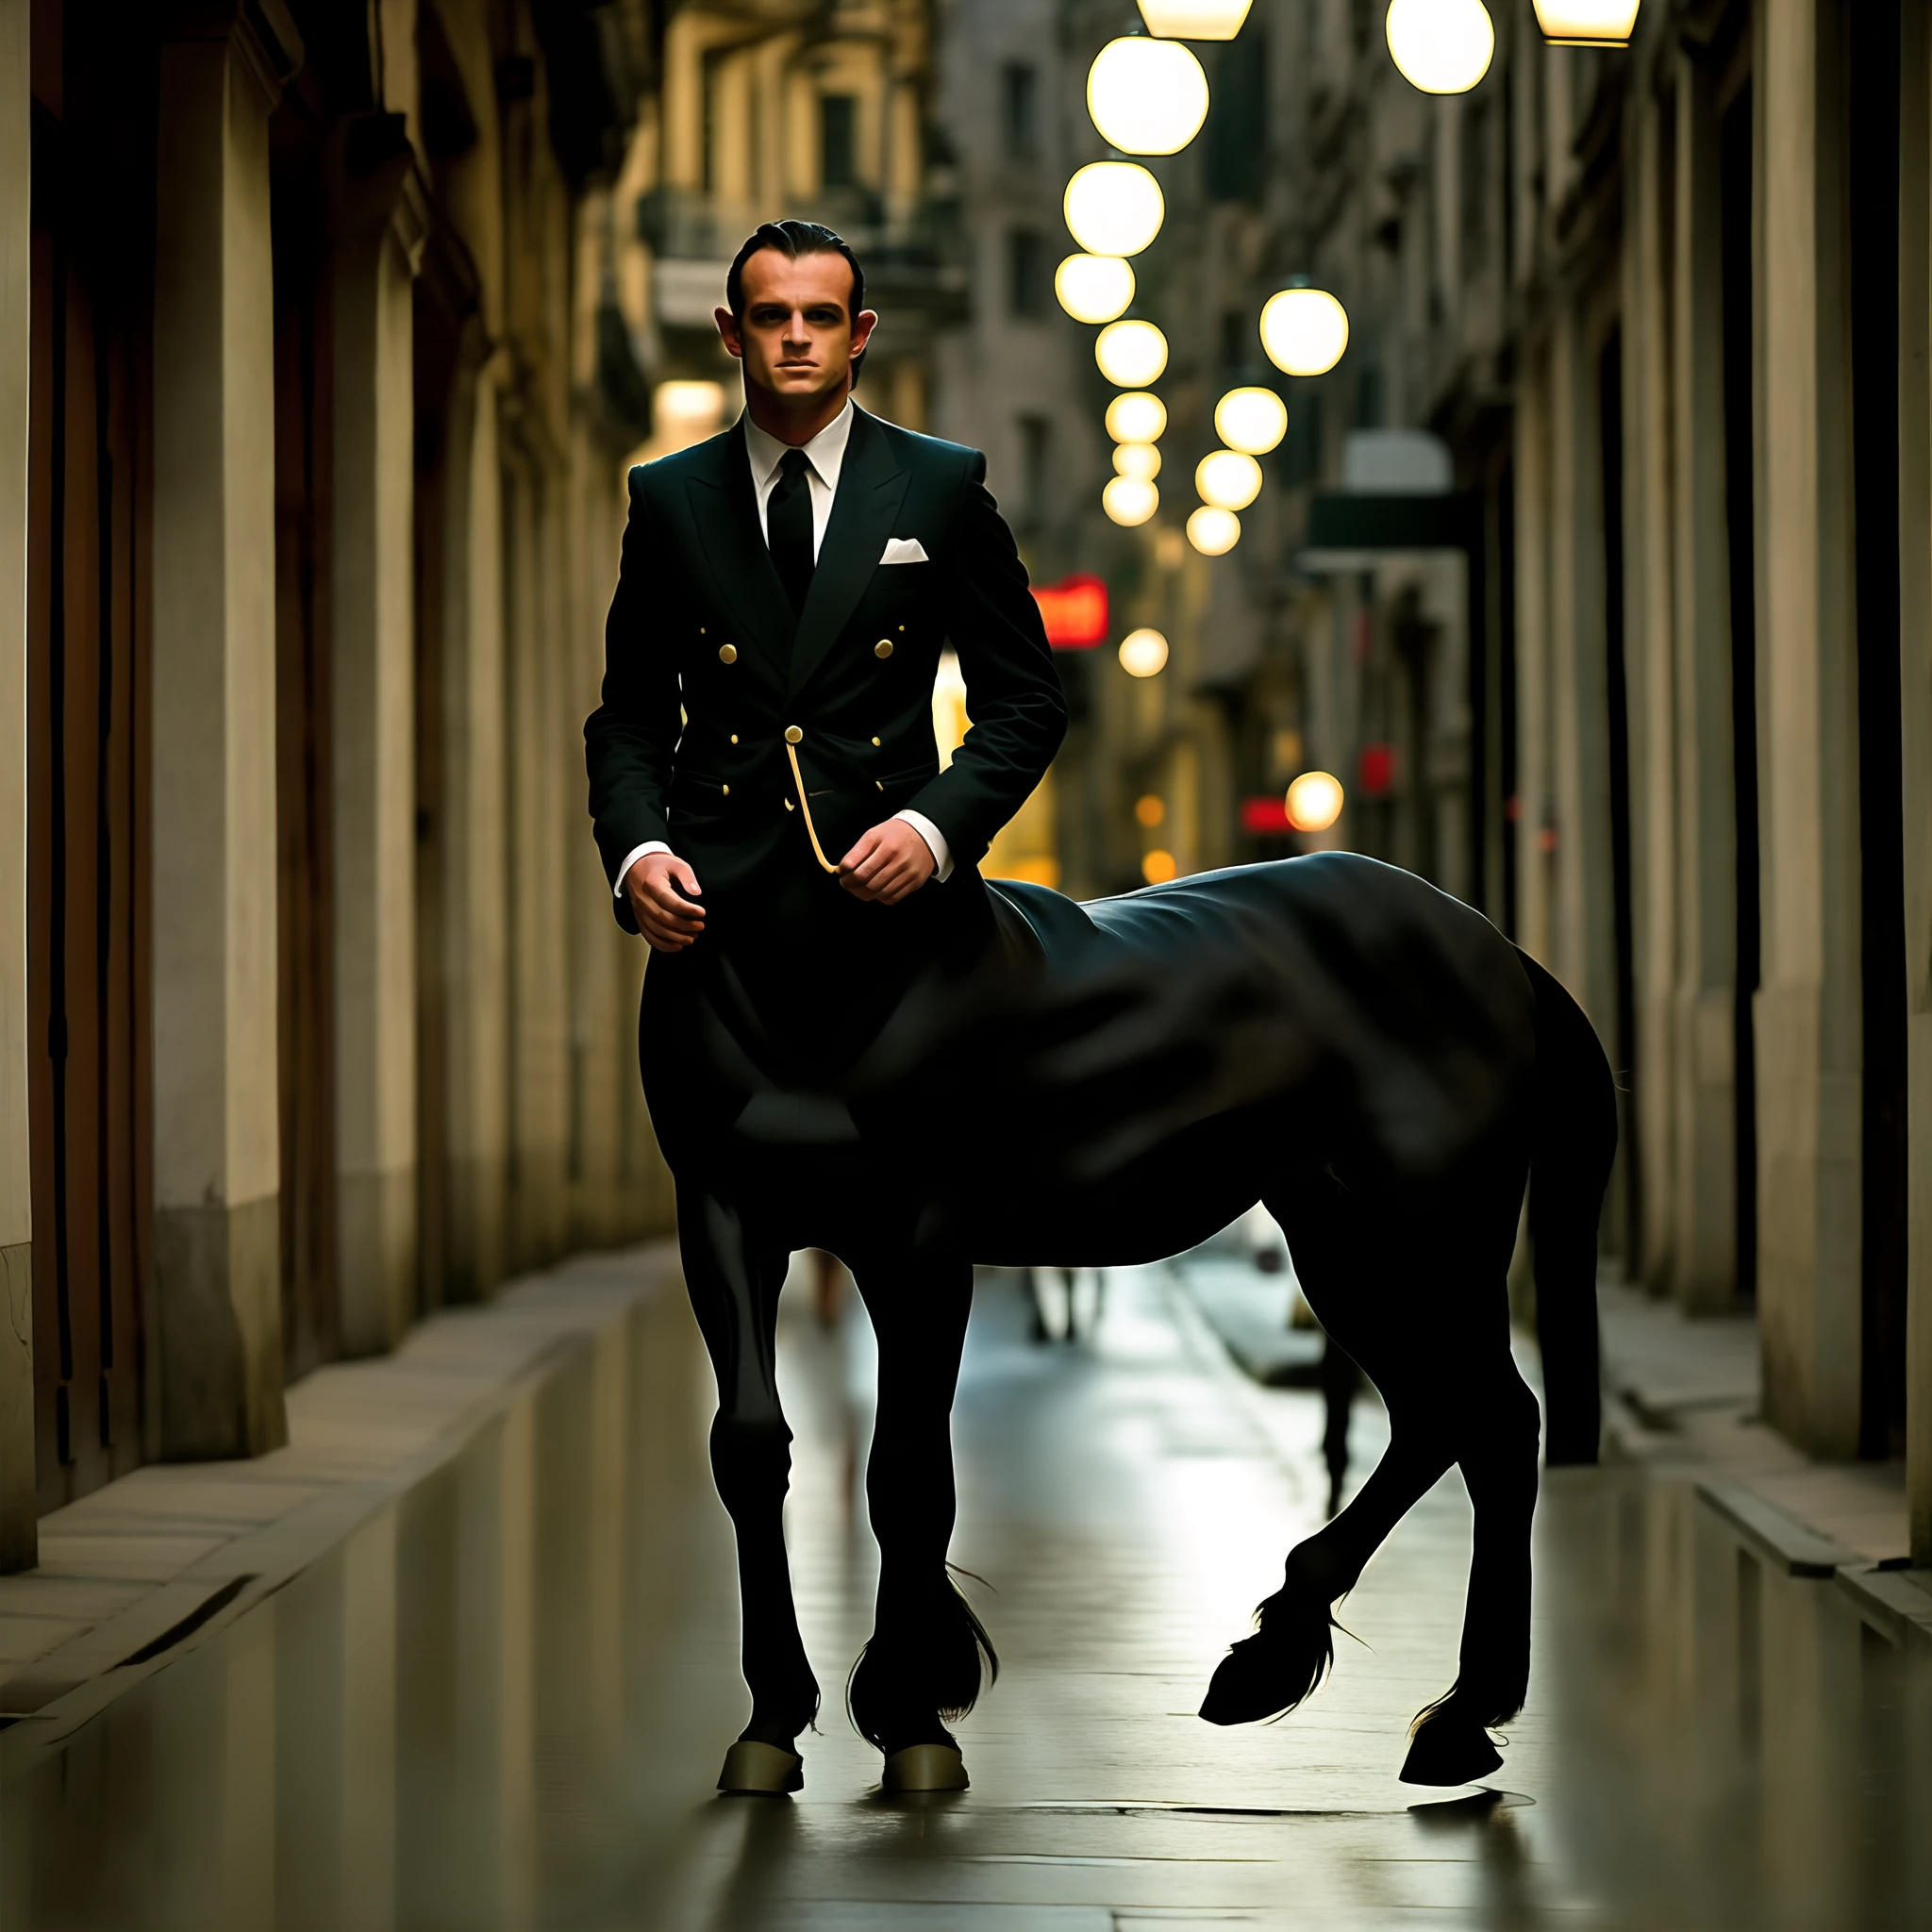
x=811, y=830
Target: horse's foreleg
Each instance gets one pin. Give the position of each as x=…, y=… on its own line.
x=1452, y=1745
x=923, y=1663
x=734, y=1278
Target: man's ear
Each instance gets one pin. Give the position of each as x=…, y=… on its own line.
x=727, y=328
x=863, y=328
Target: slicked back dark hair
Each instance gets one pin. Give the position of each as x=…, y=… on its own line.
x=793, y=239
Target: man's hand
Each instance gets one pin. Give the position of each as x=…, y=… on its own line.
x=888, y=864
x=665, y=917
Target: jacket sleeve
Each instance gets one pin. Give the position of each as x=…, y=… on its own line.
x=630, y=738
x=1012, y=690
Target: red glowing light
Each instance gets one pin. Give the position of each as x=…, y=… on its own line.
x=1075, y=611
x=1377, y=768
x=1267, y=814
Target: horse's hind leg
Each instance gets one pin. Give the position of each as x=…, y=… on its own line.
x=734, y=1278
x=923, y=1663
x=1452, y=1745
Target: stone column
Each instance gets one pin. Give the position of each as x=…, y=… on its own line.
x=19, y=1542
x=1534, y=784
x=1704, y=1238
x=1915, y=651
x=217, y=1303
x=1809, y=1011
x=380, y=223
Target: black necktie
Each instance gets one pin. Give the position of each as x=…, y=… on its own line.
x=788, y=518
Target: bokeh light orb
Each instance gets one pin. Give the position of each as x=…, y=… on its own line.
x=1194, y=20
x=1150, y=809
x=1093, y=288
x=1146, y=96
x=1113, y=208
x=1143, y=653
x=1587, y=23
x=1139, y=461
x=1131, y=354
x=1253, y=421
x=1440, y=46
x=1304, y=331
x=1314, y=801
x=1129, y=501
x=1159, y=867
x=1137, y=418
x=1214, y=532
x=1227, y=480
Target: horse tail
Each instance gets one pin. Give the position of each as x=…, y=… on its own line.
x=1575, y=1142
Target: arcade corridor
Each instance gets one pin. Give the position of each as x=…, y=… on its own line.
x=501, y=1702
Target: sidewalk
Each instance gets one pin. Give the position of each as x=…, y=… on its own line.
x=1681, y=1397
x=175, y=1552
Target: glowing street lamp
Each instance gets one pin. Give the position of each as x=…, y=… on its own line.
x=1137, y=418
x=1227, y=481
x=1129, y=501
x=1253, y=421
x=1138, y=462
x=1194, y=20
x=1146, y=97
x=1587, y=23
x=1094, y=288
x=1314, y=801
x=1131, y=354
x=1440, y=46
x=1214, y=531
x=1143, y=653
x=1304, y=331
x=1113, y=208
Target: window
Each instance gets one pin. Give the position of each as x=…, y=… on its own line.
x=1236, y=334
x=1237, y=143
x=1025, y=273
x=1036, y=470
x=1020, y=111
x=837, y=141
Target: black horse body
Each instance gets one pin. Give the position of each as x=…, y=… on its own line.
x=1108, y=1084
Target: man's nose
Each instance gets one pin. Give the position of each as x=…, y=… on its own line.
x=795, y=330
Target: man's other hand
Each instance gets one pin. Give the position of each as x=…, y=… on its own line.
x=664, y=914
x=888, y=863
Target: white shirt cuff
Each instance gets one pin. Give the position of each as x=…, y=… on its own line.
x=936, y=842
x=630, y=858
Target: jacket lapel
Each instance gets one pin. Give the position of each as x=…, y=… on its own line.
x=871, y=489
x=726, y=512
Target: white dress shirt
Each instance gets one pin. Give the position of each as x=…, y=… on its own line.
x=825, y=456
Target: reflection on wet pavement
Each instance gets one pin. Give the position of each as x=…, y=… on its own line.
x=503, y=1703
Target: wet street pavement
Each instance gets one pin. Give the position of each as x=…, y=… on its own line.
x=503, y=1701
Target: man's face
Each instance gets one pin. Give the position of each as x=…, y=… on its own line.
x=797, y=336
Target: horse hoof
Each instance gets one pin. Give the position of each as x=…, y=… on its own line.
x=755, y=1770
x=1271, y=1671
x=1450, y=1753
x=925, y=1768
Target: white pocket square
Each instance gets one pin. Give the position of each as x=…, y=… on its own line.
x=904, y=550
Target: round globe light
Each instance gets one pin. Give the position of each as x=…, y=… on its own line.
x=1253, y=421
x=1113, y=208
x=1587, y=23
x=1227, y=480
x=1138, y=462
x=1137, y=418
x=1143, y=653
x=1159, y=867
x=1440, y=46
x=1129, y=501
x=1194, y=20
x=1146, y=97
x=1304, y=331
x=1094, y=288
x=1130, y=352
x=1212, y=532
x=1314, y=801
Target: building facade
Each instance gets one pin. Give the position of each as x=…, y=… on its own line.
x=315, y=394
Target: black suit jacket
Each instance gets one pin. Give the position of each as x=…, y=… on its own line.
x=700, y=623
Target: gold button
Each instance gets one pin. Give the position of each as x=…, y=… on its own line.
x=733, y=739
x=725, y=789
x=875, y=740
x=701, y=630
x=728, y=654
x=793, y=735
x=883, y=648
x=902, y=630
